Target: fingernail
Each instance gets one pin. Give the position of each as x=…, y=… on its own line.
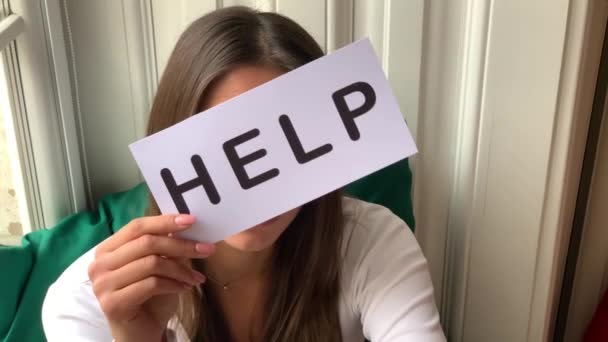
x=184, y=220
x=204, y=248
x=199, y=277
x=186, y=286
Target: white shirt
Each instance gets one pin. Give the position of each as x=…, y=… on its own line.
x=387, y=295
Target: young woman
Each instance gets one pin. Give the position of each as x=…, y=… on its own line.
x=335, y=269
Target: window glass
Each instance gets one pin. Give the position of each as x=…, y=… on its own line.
x=13, y=218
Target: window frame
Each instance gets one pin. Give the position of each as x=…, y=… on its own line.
x=45, y=124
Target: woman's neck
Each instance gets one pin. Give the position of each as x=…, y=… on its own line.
x=229, y=265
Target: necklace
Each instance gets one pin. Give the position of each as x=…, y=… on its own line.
x=226, y=286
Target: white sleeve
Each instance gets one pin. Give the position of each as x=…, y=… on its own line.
x=391, y=288
x=71, y=311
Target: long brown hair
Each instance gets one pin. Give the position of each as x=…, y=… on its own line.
x=306, y=263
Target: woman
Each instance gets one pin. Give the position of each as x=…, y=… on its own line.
x=335, y=269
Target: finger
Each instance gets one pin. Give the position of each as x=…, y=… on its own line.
x=151, y=265
x=154, y=245
x=128, y=299
x=161, y=225
x=187, y=263
x=184, y=261
x=138, y=293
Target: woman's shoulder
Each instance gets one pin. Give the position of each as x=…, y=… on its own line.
x=385, y=280
x=368, y=224
x=374, y=238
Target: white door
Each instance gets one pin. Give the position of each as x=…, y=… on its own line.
x=590, y=246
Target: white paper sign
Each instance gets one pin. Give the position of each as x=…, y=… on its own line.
x=278, y=146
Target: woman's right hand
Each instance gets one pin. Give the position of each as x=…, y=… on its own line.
x=138, y=273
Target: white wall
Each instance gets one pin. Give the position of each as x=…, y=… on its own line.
x=106, y=93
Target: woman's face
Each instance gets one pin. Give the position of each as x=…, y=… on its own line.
x=234, y=83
